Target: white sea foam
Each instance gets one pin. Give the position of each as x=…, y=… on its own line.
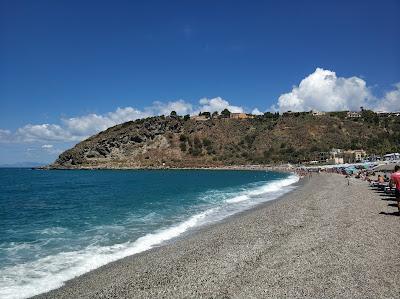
x=44, y=274
x=48, y=273
x=274, y=186
x=53, y=231
x=15, y=247
x=238, y=198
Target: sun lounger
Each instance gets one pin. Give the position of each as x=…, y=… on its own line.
x=382, y=186
x=374, y=184
x=389, y=190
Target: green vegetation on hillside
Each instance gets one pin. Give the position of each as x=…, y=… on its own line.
x=177, y=141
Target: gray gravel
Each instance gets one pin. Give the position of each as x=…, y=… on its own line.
x=324, y=240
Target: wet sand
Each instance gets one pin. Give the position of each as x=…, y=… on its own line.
x=324, y=240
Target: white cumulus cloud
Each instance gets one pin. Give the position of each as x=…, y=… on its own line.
x=75, y=129
x=5, y=135
x=257, y=112
x=160, y=108
x=217, y=104
x=92, y=123
x=323, y=90
x=390, y=101
x=49, y=149
x=43, y=132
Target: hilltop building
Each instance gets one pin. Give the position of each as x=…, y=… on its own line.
x=387, y=114
x=199, y=117
x=241, y=116
x=317, y=113
x=353, y=114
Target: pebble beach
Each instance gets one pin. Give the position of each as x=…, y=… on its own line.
x=326, y=239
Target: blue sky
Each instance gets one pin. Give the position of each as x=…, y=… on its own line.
x=81, y=60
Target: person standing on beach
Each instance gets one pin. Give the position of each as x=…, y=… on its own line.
x=395, y=180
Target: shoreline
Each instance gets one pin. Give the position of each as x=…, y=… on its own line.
x=313, y=242
x=231, y=167
x=198, y=228
x=195, y=230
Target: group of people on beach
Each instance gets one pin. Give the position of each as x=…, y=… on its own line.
x=389, y=180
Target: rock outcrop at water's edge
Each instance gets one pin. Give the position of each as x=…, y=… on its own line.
x=159, y=142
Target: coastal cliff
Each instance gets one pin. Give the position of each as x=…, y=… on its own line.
x=180, y=142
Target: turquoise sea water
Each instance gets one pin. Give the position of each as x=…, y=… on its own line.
x=55, y=225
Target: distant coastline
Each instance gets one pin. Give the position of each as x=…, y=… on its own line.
x=281, y=168
x=23, y=165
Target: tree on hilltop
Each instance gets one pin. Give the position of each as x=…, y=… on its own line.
x=206, y=114
x=226, y=113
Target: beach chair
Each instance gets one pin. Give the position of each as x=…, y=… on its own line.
x=382, y=186
x=389, y=190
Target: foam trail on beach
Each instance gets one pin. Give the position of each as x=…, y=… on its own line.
x=267, y=188
x=50, y=272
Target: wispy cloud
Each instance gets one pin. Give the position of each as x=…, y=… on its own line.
x=37, y=151
x=5, y=135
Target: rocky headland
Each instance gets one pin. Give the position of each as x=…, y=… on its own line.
x=177, y=142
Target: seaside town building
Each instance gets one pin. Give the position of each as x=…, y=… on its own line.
x=392, y=157
x=374, y=158
x=323, y=157
x=336, y=156
x=339, y=156
x=352, y=156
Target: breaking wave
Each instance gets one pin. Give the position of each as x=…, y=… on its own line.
x=50, y=272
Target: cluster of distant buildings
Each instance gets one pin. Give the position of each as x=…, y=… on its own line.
x=203, y=117
x=348, y=114
x=334, y=156
x=339, y=156
x=353, y=114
